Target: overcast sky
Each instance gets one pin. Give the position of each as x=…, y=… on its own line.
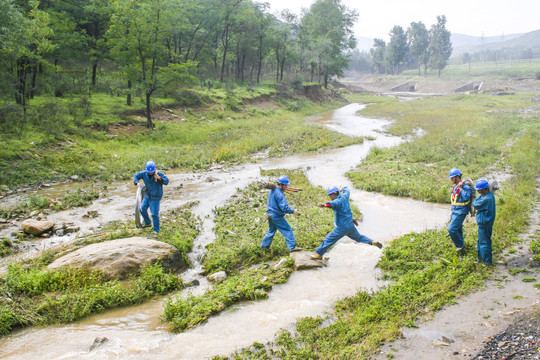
x=469, y=17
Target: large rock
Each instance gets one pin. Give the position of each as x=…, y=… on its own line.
x=123, y=257
x=36, y=227
x=303, y=260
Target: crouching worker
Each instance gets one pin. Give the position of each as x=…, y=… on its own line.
x=276, y=210
x=154, y=181
x=344, y=222
x=485, y=217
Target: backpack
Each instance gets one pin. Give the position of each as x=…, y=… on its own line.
x=469, y=182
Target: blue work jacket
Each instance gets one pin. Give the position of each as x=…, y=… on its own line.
x=277, y=203
x=460, y=199
x=485, y=209
x=154, y=188
x=342, y=209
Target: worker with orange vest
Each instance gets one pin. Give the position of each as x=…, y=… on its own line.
x=460, y=198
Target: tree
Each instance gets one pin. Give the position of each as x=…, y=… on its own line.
x=418, y=36
x=378, y=55
x=282, y=40
x=25, y=45
x=229, y=7
x=327, y=26
x=138, y=31
x=440, y=45
x=397, y=48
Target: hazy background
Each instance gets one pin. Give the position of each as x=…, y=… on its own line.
x=488, y=18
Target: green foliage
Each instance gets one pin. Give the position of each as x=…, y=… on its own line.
x=6, y=247
x=250, y=284
x=196, y=143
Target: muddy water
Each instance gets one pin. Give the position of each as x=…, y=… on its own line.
x=137, y=333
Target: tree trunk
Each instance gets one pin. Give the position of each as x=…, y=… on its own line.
x=34, y=79
x=94, y=74
x=128, y=100
x=149, y=123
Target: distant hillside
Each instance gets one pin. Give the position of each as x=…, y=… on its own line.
x=515, y=43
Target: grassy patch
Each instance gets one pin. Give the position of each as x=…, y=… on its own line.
x=36, y=296
x=196, y=139
x=30, y=294
x=466, y=131
x=250, y=284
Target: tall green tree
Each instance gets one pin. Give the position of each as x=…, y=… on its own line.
x=440, y=45
x=397, y=48
x=418, y=37
x=138, y=33
x=328, y=26
x=283, y=40
x=378, y=55
x=26, y=46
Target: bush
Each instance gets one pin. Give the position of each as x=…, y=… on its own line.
x=188, y=98
x=52, y=117
x=11, y=117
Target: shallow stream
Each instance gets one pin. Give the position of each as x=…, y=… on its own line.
x=137, y=332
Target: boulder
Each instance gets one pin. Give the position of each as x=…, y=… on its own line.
x=303, y=260
x=217, y=277
x=36, y=227
x=122, y=257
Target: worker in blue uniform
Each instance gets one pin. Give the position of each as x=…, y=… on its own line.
x=344, y=222
x=154, y=181
x=276, y=210
x=485, y=217
x=460, y=200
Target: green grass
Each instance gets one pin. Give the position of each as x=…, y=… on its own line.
x=480, y=70
x=209, y=135
x=463, y=131
x=249, y=284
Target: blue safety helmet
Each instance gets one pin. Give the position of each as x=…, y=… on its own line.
x=150, y=167
x=481, y=184
x=454, y=172
x=332, y=190
x=284, y=180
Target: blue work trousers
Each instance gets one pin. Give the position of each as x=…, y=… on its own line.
x=339, y=232
x=279, y=223
x=483, y=246
x=455, y=229
x=153, y=204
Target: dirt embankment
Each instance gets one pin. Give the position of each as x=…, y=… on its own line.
x=388, y=85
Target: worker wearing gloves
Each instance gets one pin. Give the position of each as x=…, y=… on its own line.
x=154, y=181
x=276, y=210
x=344, y=222
x=460, y=198
x=485, y=217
